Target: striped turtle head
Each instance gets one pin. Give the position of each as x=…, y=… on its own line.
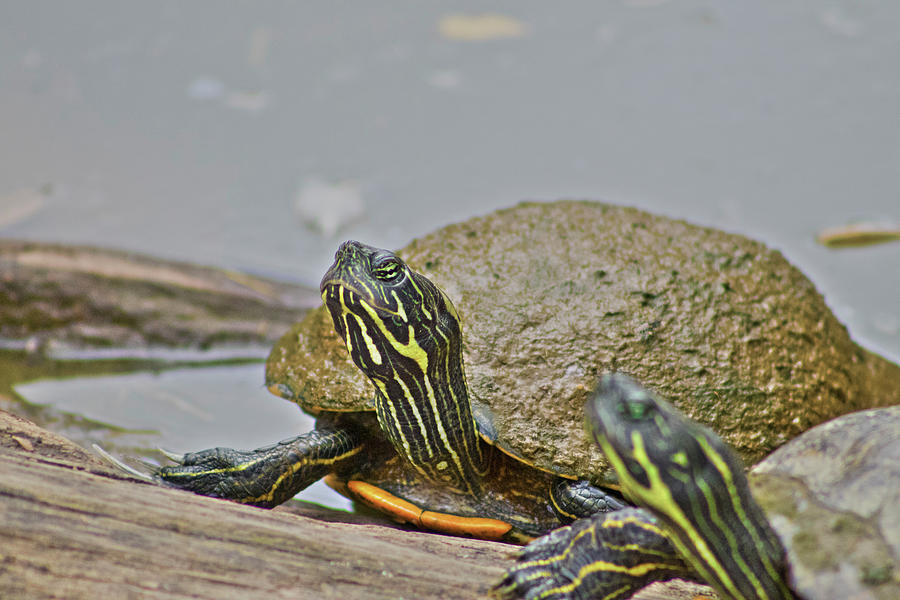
x=379, y=306
x=646, y=432
x=403, y=332
x=689, y=478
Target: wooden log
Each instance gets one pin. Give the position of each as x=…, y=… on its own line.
x=84, y=297
x=73, y=527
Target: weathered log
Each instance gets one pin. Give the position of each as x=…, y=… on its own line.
x=91, y=297
x=72, y=527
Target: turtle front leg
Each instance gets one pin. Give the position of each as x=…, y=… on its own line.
x=267, y=476
x=577, y=499
x=608, y=555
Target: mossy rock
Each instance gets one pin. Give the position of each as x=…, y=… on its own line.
x=551, y=295
x=833, y=496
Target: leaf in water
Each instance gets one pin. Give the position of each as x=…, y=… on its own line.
x=478, y=28
x=858, y=234
x=251, y=102
x=328, y=207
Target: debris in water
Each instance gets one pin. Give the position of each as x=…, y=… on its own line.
x=839, y=23
x=205, y=88
x=251, y=102
x=329, y=207
x=858, y=234
x=446, y=79
x=479, y=28
x=260, y=45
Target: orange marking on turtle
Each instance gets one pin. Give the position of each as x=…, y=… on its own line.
x=338, y=485
x=397, y=508
x=407, y=512
x=478, y=527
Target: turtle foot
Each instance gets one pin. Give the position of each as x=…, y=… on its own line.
x=606, y=555
x=576, y=499
x=208, y=472
x=264, y=477
x=217, y=472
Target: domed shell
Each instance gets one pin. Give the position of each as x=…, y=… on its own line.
x=551, y=295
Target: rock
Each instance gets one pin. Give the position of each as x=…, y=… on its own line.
x=833, y=496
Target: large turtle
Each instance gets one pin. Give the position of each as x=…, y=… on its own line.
x=831, y=496
x=468, y=420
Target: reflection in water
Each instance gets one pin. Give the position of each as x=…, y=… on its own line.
x=180, y=410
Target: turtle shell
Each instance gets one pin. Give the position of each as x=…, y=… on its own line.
x=551, y=295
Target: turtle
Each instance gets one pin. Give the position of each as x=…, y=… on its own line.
x=489, y=444
x=422, y=455
x=696, y=516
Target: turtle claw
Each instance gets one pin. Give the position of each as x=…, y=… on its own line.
x=513, y=587
x=177, y=458
x=523, y=586
x=593, y=558
x=124, y=467
x=542, y=569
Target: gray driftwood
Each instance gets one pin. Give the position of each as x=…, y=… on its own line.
x=71, y=527
x=91, y=297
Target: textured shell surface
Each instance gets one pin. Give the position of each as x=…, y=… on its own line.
x=551, y=295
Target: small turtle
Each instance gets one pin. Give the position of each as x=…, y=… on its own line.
x=421, y=456
x=698, y=519
x=469, y=422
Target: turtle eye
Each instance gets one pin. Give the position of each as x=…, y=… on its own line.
x=635, y=410
x=388, y=270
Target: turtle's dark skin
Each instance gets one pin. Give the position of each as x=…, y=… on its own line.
x=697, y=518
x=421, y=456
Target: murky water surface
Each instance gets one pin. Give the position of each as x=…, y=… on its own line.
x=180, y=411
x=258, y=136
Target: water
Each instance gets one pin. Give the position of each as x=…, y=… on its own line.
x=258, y=136
x=181, y=411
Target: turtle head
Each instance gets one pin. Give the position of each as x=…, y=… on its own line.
x=642, y=431
x=402, y=331
x=689, y=478
x=381, y=309
x=371, y=274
